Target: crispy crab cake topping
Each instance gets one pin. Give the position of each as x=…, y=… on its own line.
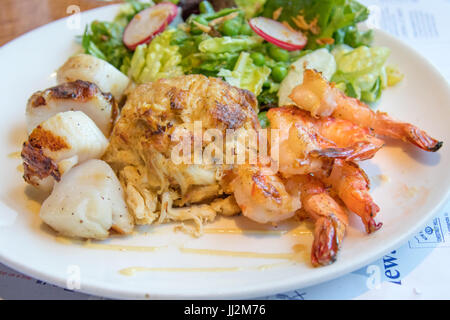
x=156, y=117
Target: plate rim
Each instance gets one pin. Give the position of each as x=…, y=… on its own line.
x=104, y=289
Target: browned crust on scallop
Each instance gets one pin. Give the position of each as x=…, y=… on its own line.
x=36, y=163
x=42, y=138
x=78, y=90
x=118, y=229
x=37, y=100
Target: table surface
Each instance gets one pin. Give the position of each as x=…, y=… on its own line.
x=19, y=16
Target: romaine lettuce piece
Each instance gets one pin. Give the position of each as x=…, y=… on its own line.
x=229, y=44
x=353, y=37
x=128, y=10
x=246, y=75
x=103, y=40
x=393, y=76
x=159, y=59
x=138, y=61
x=250, y=7
x=361, y=72
x=362, y=61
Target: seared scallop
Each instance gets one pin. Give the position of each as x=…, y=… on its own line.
x=73, y=96
x=88, y=203
x=88, y=68
x=58, y=144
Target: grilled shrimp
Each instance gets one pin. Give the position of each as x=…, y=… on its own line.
x=89, y=68
x=330, y=218
x=296, y=142
x=58, y=144
x=361, y=144
x=72, y=96
x=322, y=99
x=88, y=203
x=262, y=196
x=307, y=145
x=343, y=138
x=352, y=185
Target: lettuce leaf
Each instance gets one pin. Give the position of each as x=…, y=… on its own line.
x=334, y=17
x=103, y=39
x=250, y=7
x=229, y=44
x=246, y=75
x=361, y=73
x=159, y=59
x=129, y=9
x=393, y=75
x=353, y=37
x=209, y=64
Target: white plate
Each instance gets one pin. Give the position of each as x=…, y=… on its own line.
x=418, y=185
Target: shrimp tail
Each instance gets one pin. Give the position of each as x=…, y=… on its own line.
x=329, y=216
x=371, y=210
x=373, y=226
x=364, y=151
x=406, y=132
x=326, y=242
x=357, y=152
x=352, y=185
x=333, y=153
x=421, y=139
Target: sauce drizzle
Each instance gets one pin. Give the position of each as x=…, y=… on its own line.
x=131, y=271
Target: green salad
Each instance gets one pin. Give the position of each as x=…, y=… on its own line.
x=223, y=44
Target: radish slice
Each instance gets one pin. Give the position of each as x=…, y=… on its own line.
x=278, y=34
x=148, y=23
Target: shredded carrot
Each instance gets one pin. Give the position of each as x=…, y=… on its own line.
x=202, y=27
x=184, y=27
x=287, y=25
x=301, y=22
x=324, y=41
x=277, y=13
x=313, y=27
x=303, y=25
x=221, y=20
